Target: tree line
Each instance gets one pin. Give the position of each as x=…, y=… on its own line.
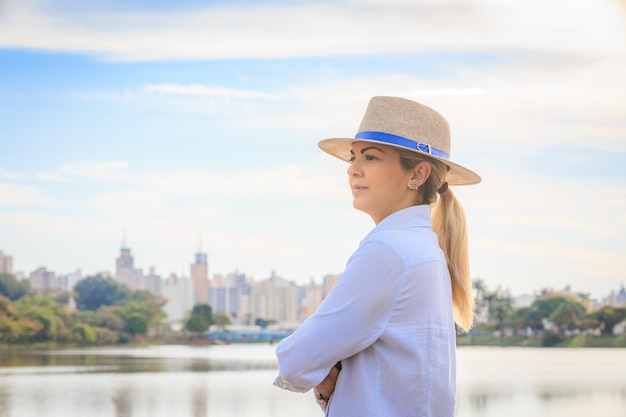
x=107, y=312
x=551, y=316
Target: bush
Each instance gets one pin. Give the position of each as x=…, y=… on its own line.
x=550, y=339
x=83, y=334
x=106, y=336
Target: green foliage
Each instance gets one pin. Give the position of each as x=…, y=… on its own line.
x=222, y=320
x=205, y=311
x=36, y=318
x=106, y=336
x=94, y=292
x=140, y=317
x=579, y=341
x=609, y=317
x=13, y=288
x=567, y=314
x=109, y=317
x=10, y=328
x=200, y=319
x=196, y=324
x=545, y=306
x=136, y=323
x=83, y=334
x=550, y=339
x=44, y=311
x=263, y=323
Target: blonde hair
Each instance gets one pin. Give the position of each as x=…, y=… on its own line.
x=450, y=226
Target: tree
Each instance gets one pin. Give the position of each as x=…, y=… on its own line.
x=480, y=292
x=222, y=320
x=201, y=318
x=263, y=323
x=49, y=315
x=109, y=317
x=519, y=319
x=83, y=334
x=500, y=307
x=13, y=288
x=609, y=317
x=205, y=311
x=545, y=306
x=10, y=329
x=567, y=314
x=196, y=324
x=139, y=317
x=94, y=292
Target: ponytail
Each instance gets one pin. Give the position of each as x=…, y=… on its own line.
x=450, y=226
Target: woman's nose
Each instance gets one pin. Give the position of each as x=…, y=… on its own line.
x=353, y=168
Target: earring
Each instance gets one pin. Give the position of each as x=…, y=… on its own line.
x=413, y=186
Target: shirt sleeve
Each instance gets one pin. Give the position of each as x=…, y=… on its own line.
x=353, y=315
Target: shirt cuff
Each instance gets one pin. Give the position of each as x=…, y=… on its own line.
x=281, y=382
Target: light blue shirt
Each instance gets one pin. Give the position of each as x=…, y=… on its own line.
x=389, y=320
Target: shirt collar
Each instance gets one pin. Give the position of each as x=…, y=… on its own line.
x=414, y=216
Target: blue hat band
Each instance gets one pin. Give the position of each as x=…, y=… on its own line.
x=403, y=142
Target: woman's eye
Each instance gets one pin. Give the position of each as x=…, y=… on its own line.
x=352, y=158
x=370, y=157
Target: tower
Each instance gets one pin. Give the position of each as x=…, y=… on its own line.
x=200, y=277
x=6, y=264
x=125, y=271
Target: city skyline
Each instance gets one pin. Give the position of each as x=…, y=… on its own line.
x=200, y=259
x=187, y=120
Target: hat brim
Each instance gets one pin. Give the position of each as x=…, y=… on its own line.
x=341, y=147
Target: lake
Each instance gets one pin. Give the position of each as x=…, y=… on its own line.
x=236, y=381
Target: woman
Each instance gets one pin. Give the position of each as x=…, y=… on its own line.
x=382, y=343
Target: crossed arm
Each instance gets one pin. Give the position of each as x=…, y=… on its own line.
x=324, y=390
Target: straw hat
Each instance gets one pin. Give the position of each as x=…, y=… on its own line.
x=408, y=125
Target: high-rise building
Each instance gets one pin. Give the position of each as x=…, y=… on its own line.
x=66, y=282
x=200, y=278
x=231, y=295
x=153, y=282
x=620, y=299
x=178, y=293
x=328, y=283
x=310, y=298
x=275, y=299
x=6, y=263
x=42, y=280
x=125, y=271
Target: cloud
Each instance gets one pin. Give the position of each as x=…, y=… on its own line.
x=123, y=96
x=17, y=195
x=7, y=175
x=202, y=90
x=114, y=171
x=247, y=219
x=262, y=30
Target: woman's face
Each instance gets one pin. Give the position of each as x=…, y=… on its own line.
x=380, y=185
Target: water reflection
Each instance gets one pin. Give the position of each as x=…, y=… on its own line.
x=235, y=381
x=199, y=402
x=5, y=400
x=122, y=401
x=159, y=359
x=481, y=397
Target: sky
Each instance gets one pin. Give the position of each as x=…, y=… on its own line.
x=174, y=127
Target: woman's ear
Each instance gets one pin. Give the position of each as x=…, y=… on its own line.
x=421, y=172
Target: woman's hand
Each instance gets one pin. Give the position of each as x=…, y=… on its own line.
x=324, y=390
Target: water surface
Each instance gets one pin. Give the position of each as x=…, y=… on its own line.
x=236, y=381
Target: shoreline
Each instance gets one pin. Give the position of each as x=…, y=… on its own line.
x=580, y=341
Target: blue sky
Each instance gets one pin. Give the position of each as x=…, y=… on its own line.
x=199, y=121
